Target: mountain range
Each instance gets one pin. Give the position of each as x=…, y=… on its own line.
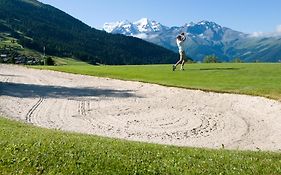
x=35, y=26
x=203, y=38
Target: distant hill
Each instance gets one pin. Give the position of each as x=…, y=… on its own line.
x=203, y=38
x=37, y=25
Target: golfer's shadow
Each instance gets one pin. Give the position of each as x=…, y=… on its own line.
x=32, y=90
x=220, y=68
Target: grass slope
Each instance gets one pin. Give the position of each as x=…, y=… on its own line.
x=27, y=149
x=10, y=42
x=262, y=79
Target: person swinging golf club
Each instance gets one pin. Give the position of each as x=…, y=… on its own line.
x=181, y=45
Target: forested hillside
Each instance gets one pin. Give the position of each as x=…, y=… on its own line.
x=37, y=25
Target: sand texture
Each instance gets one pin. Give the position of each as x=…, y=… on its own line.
x=139, y=111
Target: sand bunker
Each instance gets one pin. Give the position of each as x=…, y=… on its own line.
x=139, y=111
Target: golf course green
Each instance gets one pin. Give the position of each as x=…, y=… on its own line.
x=260, y=79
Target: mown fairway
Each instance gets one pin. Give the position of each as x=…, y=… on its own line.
x=30, y=150
x=262, y=79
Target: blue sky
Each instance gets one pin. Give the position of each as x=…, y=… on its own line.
x=242, y=15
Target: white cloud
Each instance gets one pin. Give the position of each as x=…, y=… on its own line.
x=141, y=35
x=278, y=29
x=145, y=36
x=257, y=34
x=277, y=32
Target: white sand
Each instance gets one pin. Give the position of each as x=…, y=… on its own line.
x=139, y=111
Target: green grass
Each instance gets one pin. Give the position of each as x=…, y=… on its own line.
x=68, y=61
x=261, y=79
x=7, y=41
x=27, y=149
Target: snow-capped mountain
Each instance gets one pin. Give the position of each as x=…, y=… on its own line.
x=147, y=26
x=142, y=26
x=203, y=38
x=120, y=27
x=202, y=29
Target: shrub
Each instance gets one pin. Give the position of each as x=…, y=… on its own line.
x=210, y=59
x=49, y=61
x=237, y=60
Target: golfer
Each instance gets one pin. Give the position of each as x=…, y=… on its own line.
x=181, y=45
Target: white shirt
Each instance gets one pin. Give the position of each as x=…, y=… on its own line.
x=181, y=44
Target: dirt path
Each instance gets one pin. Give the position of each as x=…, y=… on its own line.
x=139, y=111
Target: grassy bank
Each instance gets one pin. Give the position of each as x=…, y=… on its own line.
x=30, y=150
x=262, y=79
